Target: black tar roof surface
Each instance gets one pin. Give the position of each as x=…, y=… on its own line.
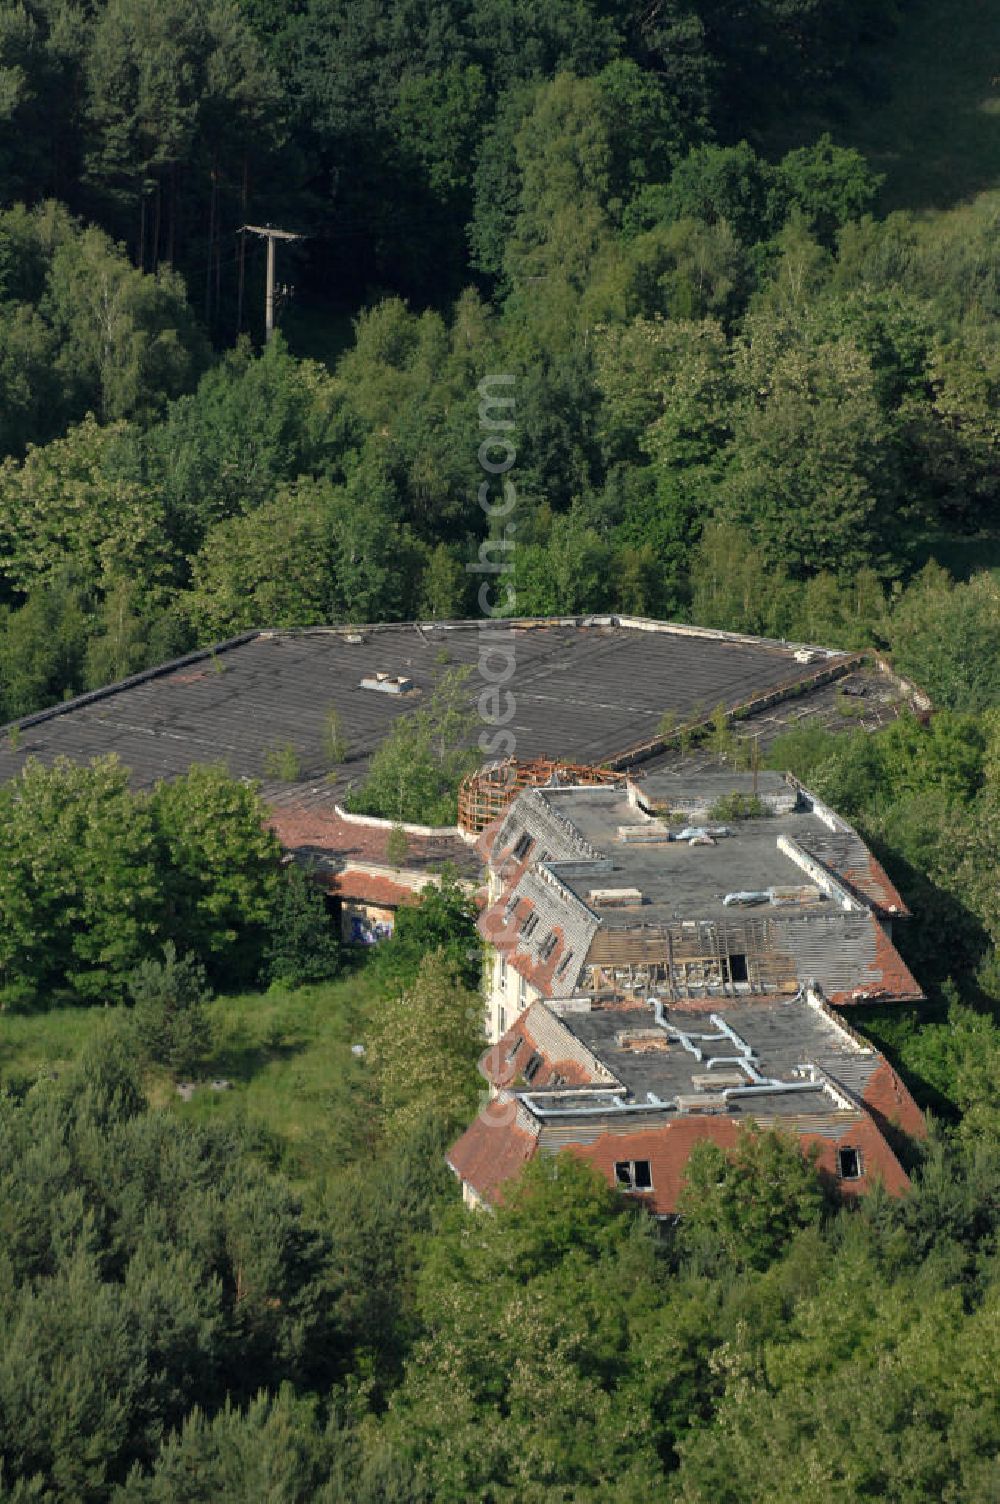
x=785, y=1035
x=586, y=690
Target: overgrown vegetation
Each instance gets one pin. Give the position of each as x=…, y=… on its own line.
x=94, y=879
x=414, y=774
x=739, y=806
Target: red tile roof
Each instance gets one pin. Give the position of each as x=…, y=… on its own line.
x=891, y=1104
x=322, y=831
x=495, y=1147
x=492, y=1150
x=874, y=882
x=668, y=1148
x=502, y=1064
x=887, y=978
x=369, y=887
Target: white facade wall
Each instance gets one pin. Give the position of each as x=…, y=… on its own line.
x=507, y=995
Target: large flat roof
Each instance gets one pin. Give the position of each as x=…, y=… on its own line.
x=587, y=689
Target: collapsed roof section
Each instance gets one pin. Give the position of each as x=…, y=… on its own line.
x=607, y=892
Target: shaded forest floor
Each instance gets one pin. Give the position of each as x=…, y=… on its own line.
x=928, y=115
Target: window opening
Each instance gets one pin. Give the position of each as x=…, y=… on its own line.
x=567, y=958
x=849, y=1163
x=532, y=1066
x=634, y=1175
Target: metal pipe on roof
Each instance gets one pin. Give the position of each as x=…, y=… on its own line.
x=772, y=1089
x=607, y=1110
x=738, y=1041
x=682, y=1038
x=744, y=1064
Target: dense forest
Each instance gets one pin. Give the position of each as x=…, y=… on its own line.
x=755, y=386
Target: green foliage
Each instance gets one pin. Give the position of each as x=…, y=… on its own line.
x=124, y=1309
x=335, y=742
x=301, y=946
x=564, y=1254
x=94, y=877
x=830, y=185
x=62, y=505
x=170, y=1000
x=397, y=846
x=81, y=330
x=252, y=424
x=80, y=889
x=738, y=806
x=424, y=1043
x=739, y=1209
x=220, y=867
x=442, y=919
x=283, y=763
x=947, y=637
x=414, y=775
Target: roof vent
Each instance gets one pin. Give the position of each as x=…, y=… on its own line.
x=714, y=1081
x=614, y=898
x=638, y=835
x=387, y=684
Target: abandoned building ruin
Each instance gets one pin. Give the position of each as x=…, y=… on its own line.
x=660, y=971
x=661, y=974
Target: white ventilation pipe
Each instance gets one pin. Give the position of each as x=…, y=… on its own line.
x=744, y=1065
x=740, y=1043
x=771, y=1089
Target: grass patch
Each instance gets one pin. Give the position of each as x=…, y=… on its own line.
x=35, y=1044
x=286, y=1054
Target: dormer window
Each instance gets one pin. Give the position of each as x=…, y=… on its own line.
x=849, y=1163
x=523, y=846
x=564, y=963
x=532, y=1067
x=633, y=1175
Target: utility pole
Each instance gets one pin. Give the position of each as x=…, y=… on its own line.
x=270, y=234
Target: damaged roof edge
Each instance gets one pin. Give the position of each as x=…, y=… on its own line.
x=197, y=655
